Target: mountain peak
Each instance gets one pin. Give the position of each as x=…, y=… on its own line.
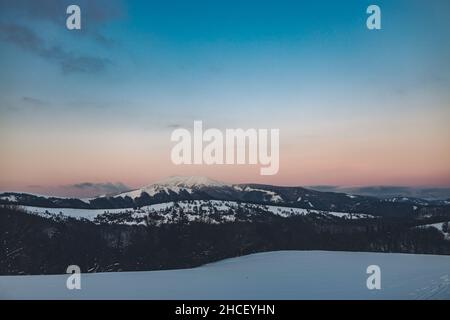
x=190, y=182
x=175, y=184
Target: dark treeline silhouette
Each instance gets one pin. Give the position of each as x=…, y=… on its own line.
x=31, y=244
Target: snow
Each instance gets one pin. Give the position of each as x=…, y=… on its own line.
x=174, y=184
x=190, y=208
x=134, y=193
x=271, y=275
x=190, y=182
x=89, y=214
x=350, y=215
x=274, y=197
x=88, y=200
x=437, y=226
x=10, y=198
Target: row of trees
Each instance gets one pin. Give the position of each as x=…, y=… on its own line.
x=31, y=244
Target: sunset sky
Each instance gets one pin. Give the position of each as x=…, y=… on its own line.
x=96, y=107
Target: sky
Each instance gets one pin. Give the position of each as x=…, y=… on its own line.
x=92, y=110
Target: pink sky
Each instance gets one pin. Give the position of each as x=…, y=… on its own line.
x=45, y=163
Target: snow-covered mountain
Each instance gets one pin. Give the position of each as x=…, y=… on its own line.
x=191, y=182
x=174, y=189
x=200, y=231
x=175, y=184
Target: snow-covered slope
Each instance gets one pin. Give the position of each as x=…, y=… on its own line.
x=212, y=211
x=175, y=184
x=175, y=189
x=271, y=275
x=190, y=182
x=440, y=227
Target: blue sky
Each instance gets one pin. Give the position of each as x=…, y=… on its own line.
x=311, y=68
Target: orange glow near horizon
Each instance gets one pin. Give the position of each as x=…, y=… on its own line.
x=372, y=155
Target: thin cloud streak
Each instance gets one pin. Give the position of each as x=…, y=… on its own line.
x=26, y=39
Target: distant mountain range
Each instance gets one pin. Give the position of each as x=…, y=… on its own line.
x=178, y=188
x=426, y=193
x=183, y=222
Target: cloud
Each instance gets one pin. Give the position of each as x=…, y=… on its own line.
x=34, y=186
x=174, y=126
x=26, y=39
x=34, y=101
x=103, y=40
x=96, y=189
x=94, y=13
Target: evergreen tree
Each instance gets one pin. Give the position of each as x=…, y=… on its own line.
x=445, y=227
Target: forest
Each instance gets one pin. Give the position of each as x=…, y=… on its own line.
x=31, y=244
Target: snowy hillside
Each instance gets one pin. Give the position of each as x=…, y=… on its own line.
x=212, y=211
x=175, y=184
x=176, y=189
x=272, y=275
x=440, y=227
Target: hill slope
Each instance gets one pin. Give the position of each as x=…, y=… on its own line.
x=175, y=189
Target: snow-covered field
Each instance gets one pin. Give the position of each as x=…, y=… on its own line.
x=271, y=275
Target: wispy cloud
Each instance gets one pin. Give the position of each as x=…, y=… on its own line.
x=26, y=39
x=174, y=126
x=34, y=101
x=95, y=189
x=97, y=12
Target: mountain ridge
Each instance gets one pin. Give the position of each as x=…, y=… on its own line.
x=184, y=188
